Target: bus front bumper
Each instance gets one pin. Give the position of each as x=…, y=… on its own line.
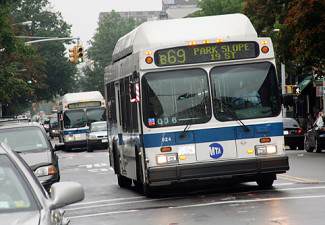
x=243, y=169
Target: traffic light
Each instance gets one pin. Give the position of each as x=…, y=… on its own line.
x=292, y=89
x=80, y=52
x=73, y=57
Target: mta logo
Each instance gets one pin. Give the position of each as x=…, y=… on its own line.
x=216, y=150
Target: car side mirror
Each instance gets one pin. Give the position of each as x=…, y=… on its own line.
x=66, y=193
x=58, y=147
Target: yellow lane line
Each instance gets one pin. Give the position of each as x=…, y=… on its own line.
x=298, y=179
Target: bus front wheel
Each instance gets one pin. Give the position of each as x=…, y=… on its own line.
x=265, y=181
x=123, y=181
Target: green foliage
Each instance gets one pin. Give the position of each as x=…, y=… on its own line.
x=14, y=55
x=218, y=7
x=300, y=30
x=109, y=30
x=58, y=72
x=305, y=26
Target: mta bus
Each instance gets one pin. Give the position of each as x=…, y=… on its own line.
x=192, y=99
x=77, y=111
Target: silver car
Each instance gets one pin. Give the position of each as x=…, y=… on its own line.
x=24, y=201
x=97, y=136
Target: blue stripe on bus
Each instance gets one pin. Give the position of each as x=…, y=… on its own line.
x=212, y=135
x=78, y=131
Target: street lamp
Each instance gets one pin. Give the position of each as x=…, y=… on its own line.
x=27, y=23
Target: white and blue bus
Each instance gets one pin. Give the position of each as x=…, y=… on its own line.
x=194, y=98
x=77, y=112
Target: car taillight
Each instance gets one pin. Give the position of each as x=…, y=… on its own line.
x=299, y=131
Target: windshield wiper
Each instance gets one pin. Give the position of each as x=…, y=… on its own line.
x=233, y=114
x=187, y=127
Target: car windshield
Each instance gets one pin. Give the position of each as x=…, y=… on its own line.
x=24, y=139
x=95, y=114
x=98, y=127
x=250, y=91
x=74, y=118
x=14, y=195
x=176, y=98
x=54, y=122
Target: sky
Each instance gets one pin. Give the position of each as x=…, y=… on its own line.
x=83, y=14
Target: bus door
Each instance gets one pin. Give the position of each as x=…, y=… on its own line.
x=119, y=139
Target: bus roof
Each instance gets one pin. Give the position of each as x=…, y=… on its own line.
x=82, y=97
x=162, y=33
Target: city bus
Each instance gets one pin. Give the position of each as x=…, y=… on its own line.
x=193, y=99
x=77, y=111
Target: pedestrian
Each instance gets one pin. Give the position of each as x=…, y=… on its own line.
x=319, y=122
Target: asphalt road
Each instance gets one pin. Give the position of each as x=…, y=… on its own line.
x=298, y=197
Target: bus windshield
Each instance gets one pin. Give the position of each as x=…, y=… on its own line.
x=174, y=98
x=250, y=91
x=95, y=114
x=74, y=118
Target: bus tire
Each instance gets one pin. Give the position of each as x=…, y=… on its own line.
x=116, y=159
x=123, y=181
x=265, y=181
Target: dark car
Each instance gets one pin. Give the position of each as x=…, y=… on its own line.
x=23, y=199
x=293, y=134
x=31, y=142
x=315, y=140
x=54, y=129
x=97, y=136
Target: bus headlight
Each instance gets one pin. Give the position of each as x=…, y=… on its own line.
x=68, y=138
x=265, y=149
x=167, y=158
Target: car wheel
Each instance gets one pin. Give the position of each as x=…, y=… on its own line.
x=307, y=145
x=89, y=148
x=265, y=181
x=123, y=181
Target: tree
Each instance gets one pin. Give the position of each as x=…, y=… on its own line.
x=109, y=30
x=218, y=7
x=59, y=73
x=305, y=23
x=15, y=59
x=301, y=25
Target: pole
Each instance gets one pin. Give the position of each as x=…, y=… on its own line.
x=283, y=84
x=49, y=39
x=323, y=89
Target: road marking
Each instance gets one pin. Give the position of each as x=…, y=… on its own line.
x=299, y=179
x=248, y=201
x=206, y=204
x=105, y=213
x=173, y=198
x=283, y=184
x=122, y=203
x=107, y=200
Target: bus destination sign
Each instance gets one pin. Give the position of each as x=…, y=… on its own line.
x=80, y=105
x=206, y=53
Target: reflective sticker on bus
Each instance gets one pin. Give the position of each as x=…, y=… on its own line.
x=216, y=150
x=151, y=121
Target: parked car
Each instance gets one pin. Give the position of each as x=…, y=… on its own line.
x=293, y=134
x=97, y=136
x=315, y=140
x=54, y=127
x=31, y=141
x=23, y=199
